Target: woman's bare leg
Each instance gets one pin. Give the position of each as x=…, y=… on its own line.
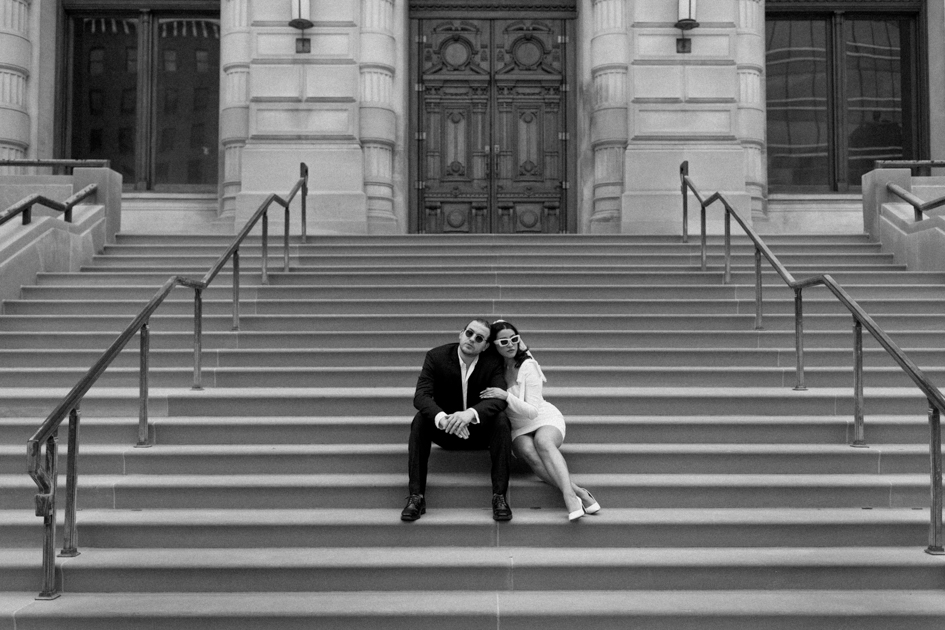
x=547, y=441
x=524, y=446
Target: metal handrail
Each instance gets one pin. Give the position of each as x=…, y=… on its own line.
x=861, y=319
x=924, y=166
x=42, y=463
x=56, y=163
x=24, y=206
x=919, y=206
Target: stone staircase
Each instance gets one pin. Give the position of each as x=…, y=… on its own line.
x=271, y=499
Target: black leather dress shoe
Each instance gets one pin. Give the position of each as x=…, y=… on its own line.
x=500, y=508
x=416, y=505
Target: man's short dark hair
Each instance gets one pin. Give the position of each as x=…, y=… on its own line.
x=482, y=320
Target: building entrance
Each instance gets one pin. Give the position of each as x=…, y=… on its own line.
x=145, y=95
x=491, y=125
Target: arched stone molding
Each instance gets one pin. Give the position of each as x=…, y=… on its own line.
x=609, y=51
x=751, y=125
x=378, y=119
x=16, y=52
x=235, y=55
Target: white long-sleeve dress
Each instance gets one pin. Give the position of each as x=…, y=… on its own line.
x=527, y=409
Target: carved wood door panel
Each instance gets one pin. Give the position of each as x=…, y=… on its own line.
x=492, y=116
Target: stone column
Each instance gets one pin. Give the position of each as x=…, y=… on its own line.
x=235, y=56
x=750, y=61
x=378, y=118
x=16, y=51
x=610, y=47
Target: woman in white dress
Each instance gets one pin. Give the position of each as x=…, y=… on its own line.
x=537, y=426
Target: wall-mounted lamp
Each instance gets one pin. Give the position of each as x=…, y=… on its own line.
x=687, y=22
x=301, y=19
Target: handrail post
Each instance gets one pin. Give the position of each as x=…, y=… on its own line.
x=285, y=243
x=27, y=215
x=858, y=430
x=265, y=247
x=236, y=289
x=683, y=172
x=758, y=294
x=918, y=214
x=198, y=337
x=727, y=277
x=46, y=507
x=303, y=173
x=69, y=547
x=702, y=223
x=68, y=214
x=935, y=454
x=799, y=338
x=144, y=437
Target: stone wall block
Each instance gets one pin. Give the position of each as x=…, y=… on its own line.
x=711, y=83
x=378, y=49
x=651, y=82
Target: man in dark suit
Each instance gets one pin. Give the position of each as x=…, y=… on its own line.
x=452, y=415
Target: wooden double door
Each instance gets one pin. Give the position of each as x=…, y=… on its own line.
x=491, y=109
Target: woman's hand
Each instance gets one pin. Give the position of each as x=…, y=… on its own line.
x=494, y=392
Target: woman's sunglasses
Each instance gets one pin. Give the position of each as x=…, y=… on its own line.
x=514, y=339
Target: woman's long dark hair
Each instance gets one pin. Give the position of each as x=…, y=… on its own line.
x=499, y=325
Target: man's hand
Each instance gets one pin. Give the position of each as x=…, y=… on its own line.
x=457, y=423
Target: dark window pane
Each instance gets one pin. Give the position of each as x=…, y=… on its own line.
x=798, y=115
x=201, y=99
x=168, y=139
x=128, y=101
x=126, y=139
x=191, y=96
x=95, y=140
x=96, y=102
x=170, y=61
x=874, y=77
x=170, y=101
x=105, y=85
x=97, y=62
x=131, y=59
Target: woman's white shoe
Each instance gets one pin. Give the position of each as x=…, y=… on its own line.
x=594, y=507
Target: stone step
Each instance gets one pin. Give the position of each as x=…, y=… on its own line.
x=552, y=359
x=517, y=277
x=320, y=570
x=573, y=339
x=84, y=286
x=456, y=490
x=264, y=402
x=312, y=459
x=891, y=322
x=512, y=610
x=390, y=376
x=636, y=429
x=475, y=261
x=262, y=305
x=474, y=528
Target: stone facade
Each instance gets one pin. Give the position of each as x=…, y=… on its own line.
x=343, y=107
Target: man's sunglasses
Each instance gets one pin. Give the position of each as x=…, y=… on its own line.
x=472, y=334
x=514, y=339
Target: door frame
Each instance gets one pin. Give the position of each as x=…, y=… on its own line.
x=144, y=158
x=914, y=9
x=565, y=10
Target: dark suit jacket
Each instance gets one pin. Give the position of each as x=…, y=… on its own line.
x=440, y=387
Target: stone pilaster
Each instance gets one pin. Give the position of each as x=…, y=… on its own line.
x=235, y=55
x=685, y=106
x=750, y=61
x=377, y=115
x=304, y=107
x=16, y=52
x=610, y=46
